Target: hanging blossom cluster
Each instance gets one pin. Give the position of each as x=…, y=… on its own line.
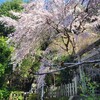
x=7, y=21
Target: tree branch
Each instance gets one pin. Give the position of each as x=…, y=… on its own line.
x=71, y=66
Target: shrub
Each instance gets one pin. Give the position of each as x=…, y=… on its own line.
x=88, y=88
x=16, y=95
x=32, y=97
x=5, y=55
x=7, y=6
x=4, y=94
x=4, y=31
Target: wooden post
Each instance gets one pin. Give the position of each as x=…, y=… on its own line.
x=68, y=89
x=42, y=92
x=80, y=68
x=73, y=89
x=75, y=82
x=81, y=74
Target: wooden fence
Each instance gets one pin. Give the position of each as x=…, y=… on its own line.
x=64, y=90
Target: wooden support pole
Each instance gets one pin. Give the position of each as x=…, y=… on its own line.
x=42, y=92
x=81, y=74
x=80, y=67
x=75, y=82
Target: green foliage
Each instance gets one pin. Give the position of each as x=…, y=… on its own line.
x=63, y=58
x=64, y=98
x=44, y=45
x=4, y=31
x=16, y=95
x=30, y=65
x=64, y=76
x=24, y=74
x=88, y=88
x=67, y=72
x=4, y=94
x=61, y=98
x=19, y=96
x=52, y=99
x=26, y=65
x=5, y=55
x=32, y=97
x=10, y=5
x=48, y=79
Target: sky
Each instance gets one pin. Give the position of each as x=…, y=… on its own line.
x=1, y=1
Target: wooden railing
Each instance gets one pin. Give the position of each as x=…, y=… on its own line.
x=64, y=90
